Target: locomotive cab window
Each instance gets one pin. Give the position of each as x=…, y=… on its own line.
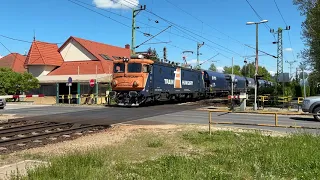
x=134, y=67
x=119, y=68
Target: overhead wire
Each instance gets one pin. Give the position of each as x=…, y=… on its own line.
x=182, y=29
x=115, y=20
x=265, y=24
x=286, y=25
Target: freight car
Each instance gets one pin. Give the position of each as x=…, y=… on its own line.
x=139, y=81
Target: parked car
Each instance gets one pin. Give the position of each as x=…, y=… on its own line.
x=3, y=103
x=312, y=105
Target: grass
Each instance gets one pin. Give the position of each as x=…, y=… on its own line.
x=193, y=155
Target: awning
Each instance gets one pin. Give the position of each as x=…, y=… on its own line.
x=101, y=78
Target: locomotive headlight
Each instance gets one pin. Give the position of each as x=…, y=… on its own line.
x=114, y=83
x=135, y=83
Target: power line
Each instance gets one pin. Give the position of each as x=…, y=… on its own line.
x=286, y=25
x=116, y=20
x=265, y=24
x=184, y=28
x=11, y=52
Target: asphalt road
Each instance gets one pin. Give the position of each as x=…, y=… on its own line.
x=202, y=117
x=160, y=114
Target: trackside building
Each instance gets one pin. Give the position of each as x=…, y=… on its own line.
x=80, y=59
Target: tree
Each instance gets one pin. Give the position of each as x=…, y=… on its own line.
x=212, y=67
x=310, y=31
x=236, y=70
x=12, y=82
x=249, y=71
x=152, y=54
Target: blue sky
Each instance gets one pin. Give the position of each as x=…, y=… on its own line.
x=220, y=24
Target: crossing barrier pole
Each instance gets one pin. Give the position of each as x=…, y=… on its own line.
x=210, y=116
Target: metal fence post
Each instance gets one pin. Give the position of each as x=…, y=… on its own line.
x=210, y=122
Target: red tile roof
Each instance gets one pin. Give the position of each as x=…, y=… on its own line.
x=42, y=53
x=89, y=67
x=14, y=61
x=97, y=48
x=85, y=67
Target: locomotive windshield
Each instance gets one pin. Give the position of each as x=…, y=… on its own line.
x=134, y=67
x=119, y=68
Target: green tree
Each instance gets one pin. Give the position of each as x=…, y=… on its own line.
x=11, y=82
x=212, y=67
x=249, y=70
x=310, y=31
x=236, y=70
x=152, y=54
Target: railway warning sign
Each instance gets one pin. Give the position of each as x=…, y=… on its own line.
x=91, y=82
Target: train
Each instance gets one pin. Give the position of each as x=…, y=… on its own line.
x=137, y=81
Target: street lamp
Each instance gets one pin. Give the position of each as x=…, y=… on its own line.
x=256, y=62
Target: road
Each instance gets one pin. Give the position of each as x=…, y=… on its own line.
x=161, y=114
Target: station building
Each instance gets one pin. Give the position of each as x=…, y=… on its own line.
x=78, y=58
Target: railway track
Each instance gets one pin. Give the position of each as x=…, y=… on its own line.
x=22, y=134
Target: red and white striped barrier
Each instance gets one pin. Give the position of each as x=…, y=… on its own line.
x=20, y=96
x=233, y=97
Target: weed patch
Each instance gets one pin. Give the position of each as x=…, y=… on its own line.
x=223, y=155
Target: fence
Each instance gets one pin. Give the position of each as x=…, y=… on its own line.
x=83, y=99
x=276, y=123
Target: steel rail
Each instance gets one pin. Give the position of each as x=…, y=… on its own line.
x=40, y=127
x=17, y=140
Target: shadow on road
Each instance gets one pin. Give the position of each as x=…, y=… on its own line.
x=304, y=119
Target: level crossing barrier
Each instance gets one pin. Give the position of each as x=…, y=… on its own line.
x=20, y=96
x=90, y=98
x=275, y=124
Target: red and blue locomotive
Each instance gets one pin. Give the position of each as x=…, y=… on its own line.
x=137, y=81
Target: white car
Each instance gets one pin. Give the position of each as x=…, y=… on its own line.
x=3, y=103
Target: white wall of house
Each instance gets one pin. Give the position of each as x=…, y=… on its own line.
x=73, y=51
x=40, y=70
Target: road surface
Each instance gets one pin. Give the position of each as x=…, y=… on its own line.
x=161, y=114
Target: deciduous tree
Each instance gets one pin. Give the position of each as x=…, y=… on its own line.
x=11, y=82
x=212, y=67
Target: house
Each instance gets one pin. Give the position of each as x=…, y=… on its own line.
x=14, y=61
x=78, y=58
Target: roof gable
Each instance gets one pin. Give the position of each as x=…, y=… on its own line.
x=14, y=61
x=102, y=52
x=42, y=53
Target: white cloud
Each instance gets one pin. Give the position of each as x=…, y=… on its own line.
x=116, y=4
x=194, y=62
x=220, y=69
x=272, y=73
x=288, y=49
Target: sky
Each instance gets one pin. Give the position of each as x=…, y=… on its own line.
x=221, y=25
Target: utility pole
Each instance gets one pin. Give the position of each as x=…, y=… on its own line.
x=290, y=66
x=302, y=67
x=165, y=54
x=280, y=55
x=198, y=47
x=135, y=12
x=231, y=78
x=256, y=62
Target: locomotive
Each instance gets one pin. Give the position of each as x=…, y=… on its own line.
x=138, y=81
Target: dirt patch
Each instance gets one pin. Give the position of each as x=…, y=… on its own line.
x=7, y=117
x=118, y=134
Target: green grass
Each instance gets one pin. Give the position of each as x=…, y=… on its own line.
x=193, y=155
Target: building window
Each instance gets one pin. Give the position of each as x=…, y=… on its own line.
x=106, y=57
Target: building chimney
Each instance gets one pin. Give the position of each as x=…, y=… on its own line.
x=127, y=46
